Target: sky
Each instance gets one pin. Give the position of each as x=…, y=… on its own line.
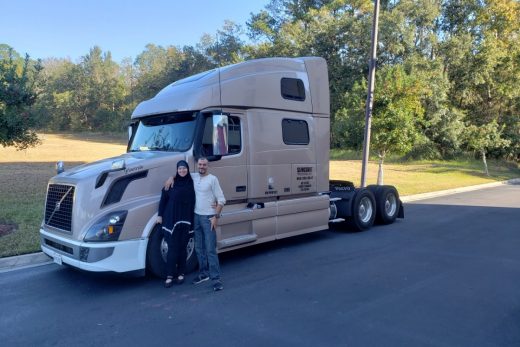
x=69, y=28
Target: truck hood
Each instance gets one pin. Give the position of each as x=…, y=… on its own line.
x=134, y=161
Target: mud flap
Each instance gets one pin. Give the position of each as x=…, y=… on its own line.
x=400, y=214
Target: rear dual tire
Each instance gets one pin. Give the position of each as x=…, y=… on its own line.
x=388, y=204
x=363, y=210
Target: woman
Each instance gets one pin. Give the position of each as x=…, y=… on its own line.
x=176, y=216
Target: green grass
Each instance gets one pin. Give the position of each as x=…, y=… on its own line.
x=24, y=176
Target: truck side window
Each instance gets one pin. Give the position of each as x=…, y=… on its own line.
x=295, y=132
x=234, y=136
x=292, y=89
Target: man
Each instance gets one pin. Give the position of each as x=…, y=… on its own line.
x=207, y=191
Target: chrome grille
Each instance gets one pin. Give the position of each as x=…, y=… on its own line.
x=58, y=208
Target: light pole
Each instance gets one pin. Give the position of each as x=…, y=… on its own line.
x=370, y=94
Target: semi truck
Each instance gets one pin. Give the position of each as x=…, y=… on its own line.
x=264, y=126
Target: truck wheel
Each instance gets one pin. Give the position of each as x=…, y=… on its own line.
x=158, y=250
x=387, y=200
x=363, y=210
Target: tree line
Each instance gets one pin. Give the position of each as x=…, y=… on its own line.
x=447, y=77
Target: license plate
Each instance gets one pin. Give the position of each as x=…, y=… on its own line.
x=57, y=259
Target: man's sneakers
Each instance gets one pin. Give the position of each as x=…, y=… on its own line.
x=200, y=279
x=217, y=285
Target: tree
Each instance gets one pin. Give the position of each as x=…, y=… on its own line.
x=485, y=138
x=397, y=111
x=17, y=94
x=397, y=114
x=442, y=123
x=226, y=47
x=101, y=94
x=482, y=56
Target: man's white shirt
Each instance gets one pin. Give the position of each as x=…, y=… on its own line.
x=207, y=191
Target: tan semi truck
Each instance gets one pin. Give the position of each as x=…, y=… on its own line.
x=264, y=126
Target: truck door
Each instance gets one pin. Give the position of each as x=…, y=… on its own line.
x=228, y=157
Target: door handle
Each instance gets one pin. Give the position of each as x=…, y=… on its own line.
x=240, y=189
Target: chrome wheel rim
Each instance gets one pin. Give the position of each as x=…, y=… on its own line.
x=390, y=205
x=365, y=209
x=164, y=249
x=190, y=247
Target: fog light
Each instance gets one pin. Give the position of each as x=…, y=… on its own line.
x=83, y=253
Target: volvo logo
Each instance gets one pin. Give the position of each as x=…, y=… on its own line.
x=57, y=207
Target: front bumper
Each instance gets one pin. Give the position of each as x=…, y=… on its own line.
x=118, y=256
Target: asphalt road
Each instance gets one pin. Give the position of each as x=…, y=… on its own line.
x=447, y=275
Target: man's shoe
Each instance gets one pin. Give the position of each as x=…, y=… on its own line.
x=200, y=279
x=218, y=286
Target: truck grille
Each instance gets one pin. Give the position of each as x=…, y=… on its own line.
x=58, y=208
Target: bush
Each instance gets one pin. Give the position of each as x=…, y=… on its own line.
x=424, y=149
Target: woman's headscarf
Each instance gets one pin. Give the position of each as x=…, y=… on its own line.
x=178, y=178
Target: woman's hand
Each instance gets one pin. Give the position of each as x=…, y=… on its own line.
x=159, y=220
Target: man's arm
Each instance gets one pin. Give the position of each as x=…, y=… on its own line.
x=218, y=194
x=170, y=181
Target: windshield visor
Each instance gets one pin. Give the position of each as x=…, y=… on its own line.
x=170, y=133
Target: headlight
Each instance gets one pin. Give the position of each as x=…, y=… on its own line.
x=107, y=228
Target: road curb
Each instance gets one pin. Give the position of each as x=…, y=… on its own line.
x=422, y=196
x=23, y=261
x=40, y=258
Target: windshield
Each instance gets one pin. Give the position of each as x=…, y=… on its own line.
x=170, y=132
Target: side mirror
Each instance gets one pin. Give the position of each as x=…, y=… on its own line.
x=220, y=134
x=214, y=157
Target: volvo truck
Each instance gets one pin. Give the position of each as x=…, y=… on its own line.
x=263, y=124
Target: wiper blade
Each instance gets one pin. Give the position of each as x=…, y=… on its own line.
x=156, y=149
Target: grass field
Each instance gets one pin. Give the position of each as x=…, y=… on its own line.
x=24, y=176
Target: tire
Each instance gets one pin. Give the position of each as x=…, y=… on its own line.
x=387, y=202
x=158, y=249
x=363, y=210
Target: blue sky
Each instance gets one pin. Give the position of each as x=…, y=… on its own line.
x=68, y=28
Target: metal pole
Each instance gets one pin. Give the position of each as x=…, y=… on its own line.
x=370, y=94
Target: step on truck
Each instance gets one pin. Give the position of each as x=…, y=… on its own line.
x=263, y=124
